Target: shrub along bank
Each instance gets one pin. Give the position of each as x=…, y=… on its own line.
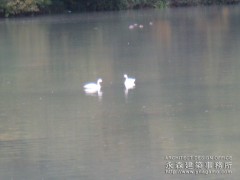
x=32, y=7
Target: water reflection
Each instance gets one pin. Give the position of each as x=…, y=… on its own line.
x=186, y=100
x=126, y=91
x=98, y=93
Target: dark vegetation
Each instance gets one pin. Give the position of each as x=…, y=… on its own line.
x=33, y=7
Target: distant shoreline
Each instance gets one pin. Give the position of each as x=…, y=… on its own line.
x=32, y=8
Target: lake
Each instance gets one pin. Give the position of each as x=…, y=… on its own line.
x=181, y=121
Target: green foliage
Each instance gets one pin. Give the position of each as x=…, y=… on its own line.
x=43, y=3
x=99, y=5
x=200, y=2
x=146, y=3
x=159, y=4
x=21, y=7
x=207, y=2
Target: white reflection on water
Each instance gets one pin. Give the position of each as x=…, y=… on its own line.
x=98, y=94
x=126, y=91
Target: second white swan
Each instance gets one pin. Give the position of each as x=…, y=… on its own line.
x=129, y=82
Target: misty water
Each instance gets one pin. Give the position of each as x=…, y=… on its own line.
x=186, y=101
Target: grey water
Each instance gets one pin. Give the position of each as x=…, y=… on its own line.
x=186, y=101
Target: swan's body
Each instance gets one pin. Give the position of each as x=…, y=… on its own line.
x=93, y=87
x=129, y=82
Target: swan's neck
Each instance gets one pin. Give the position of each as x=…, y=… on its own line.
x=98, y=85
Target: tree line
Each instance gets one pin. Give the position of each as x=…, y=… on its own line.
x=31, y=7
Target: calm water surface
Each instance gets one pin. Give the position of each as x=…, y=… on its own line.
x=186, y=100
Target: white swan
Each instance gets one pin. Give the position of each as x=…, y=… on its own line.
x=129, y=82
x=93, y=87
